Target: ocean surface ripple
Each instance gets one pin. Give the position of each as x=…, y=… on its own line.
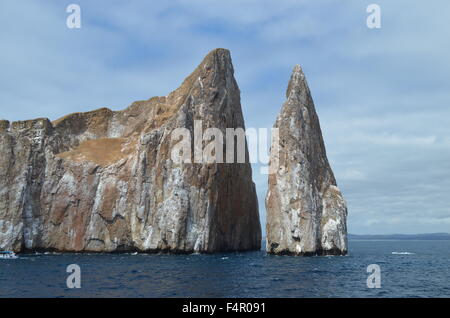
x=408, y=269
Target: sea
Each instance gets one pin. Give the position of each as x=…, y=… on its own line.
x=403, y=268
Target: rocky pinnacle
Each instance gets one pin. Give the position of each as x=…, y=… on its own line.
x=306, y=213
x=104, y=181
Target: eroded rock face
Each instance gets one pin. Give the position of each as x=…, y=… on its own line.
x=306, y=214
x=104, y=181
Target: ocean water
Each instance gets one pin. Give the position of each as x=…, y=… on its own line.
x=408, y=269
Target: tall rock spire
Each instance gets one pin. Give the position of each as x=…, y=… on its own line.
x=105, y=180
x=306, y=214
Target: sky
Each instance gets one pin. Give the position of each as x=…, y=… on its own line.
x=382, y=95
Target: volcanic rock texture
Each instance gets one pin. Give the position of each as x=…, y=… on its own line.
x=104, y=181
x=306, y=213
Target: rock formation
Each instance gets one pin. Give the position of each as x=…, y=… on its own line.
x=306, y=214
x=104, y=181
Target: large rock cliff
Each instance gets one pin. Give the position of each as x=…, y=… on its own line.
x=306, y=214
x=104, y=181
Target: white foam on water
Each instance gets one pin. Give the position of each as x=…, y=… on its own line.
x=402, y=253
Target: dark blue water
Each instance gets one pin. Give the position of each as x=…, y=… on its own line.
x=424, y=273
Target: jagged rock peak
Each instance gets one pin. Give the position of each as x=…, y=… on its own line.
x=218, y=61
x=297, y=81
x=306, y=213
